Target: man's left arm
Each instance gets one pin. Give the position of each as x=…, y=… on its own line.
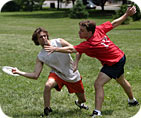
x=66, y=47
x=130, y=11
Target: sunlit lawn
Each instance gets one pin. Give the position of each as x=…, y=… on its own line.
x=22, y=98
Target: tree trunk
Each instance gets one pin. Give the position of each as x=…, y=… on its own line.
x=73, y=2
x=124, y=1
x=57, y=4
x=84, y=2
x=102, y=4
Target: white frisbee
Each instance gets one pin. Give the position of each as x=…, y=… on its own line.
x=2, y=114
x=8, y=70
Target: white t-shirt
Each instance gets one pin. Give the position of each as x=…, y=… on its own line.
x=60, y=63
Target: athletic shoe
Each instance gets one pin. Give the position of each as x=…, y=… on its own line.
x=135, y=103
x=95, y=113
x=82, y=105
x=47, y=110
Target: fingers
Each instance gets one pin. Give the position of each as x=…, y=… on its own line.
x=131, y=11
x=134, y=9
x=15, y=70
x=47, y=48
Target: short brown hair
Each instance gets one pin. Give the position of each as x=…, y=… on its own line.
x=90, y=25
x=36, y=33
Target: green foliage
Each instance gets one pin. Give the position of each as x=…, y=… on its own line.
x=79, y=10
x=30, y=5
x=137, y=16
x=120, y=12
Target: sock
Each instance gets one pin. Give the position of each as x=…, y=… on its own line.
x=99, y=112
x=131, y=100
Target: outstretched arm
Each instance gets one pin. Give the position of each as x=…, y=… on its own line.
x=66, y=47
x=33, y=75
x=130, y=11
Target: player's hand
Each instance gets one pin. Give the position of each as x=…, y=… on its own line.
x=75, y=67
x=49, y=49
x=131, y=11
x=15, y=71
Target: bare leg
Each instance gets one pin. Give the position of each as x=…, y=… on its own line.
x=81, y=98
x=125, y=85
x=47, y=91
x=101, y=80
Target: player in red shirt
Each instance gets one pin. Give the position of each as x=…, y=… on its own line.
x=98, y=45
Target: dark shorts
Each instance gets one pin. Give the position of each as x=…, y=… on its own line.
x=116, y=70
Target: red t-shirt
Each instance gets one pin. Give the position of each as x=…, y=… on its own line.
x=100, y=46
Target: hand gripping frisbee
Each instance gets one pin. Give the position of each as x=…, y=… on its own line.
x=8, y=70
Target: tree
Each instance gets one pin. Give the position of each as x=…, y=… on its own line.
x=68, y=1
x=124, y=1
x=30, y=5
x=79, y=10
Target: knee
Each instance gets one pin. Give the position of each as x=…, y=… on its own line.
x=124, y=83
x=48, y=87
x=97, y=85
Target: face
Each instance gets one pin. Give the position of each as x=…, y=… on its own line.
x=43, y=39
x=84, y=34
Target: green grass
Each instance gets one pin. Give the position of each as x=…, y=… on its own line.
x=22, y=98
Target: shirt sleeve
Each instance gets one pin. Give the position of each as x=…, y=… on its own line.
x=82, y=47
x=106, y=27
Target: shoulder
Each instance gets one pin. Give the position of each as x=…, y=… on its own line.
x=105, y=24
x=105, y=27
x=56, y=42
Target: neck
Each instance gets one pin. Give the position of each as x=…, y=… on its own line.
x=47, y=44
x=89, y=37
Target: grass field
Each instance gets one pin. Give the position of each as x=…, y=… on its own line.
x=22, y=98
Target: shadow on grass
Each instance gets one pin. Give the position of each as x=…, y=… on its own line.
x=54, y=114
x=39, y=15
x=97, y=14
x=107, y=112
x=64, y=113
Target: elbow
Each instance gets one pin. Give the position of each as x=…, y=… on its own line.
x=114, y=24
x=35, y=77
